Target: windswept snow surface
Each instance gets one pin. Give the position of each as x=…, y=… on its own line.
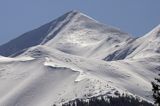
x=78, y=57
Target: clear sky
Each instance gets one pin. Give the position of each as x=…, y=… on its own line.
x=136, y=17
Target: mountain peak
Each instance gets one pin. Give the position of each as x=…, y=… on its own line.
x=75, y=11
x=76, y=27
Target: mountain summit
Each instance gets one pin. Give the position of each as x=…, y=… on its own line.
x=75, y=27
x=76, y=58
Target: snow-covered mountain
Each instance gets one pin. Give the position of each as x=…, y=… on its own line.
x=74, y=57
x=83, y=34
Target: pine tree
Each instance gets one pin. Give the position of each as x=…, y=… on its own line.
x=156, y=90
x=124, y=100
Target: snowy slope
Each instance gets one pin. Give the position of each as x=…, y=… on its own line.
x=145, y=46
x=86, y=34
x=148, y=45
x=36, y=36
x=54, y=77
x=77, y=57
x=71, y=33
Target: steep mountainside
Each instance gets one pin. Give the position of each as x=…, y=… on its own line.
x=36, y=36
x=74, y=33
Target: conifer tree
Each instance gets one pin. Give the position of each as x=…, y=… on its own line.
x=156, y=90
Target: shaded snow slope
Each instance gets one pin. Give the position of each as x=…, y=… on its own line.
x=36, y=36
x=145, y=46
x=148, y=45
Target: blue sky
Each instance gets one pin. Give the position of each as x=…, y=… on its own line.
x=136, y=17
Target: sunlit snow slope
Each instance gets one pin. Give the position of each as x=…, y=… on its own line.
x=73, y=57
